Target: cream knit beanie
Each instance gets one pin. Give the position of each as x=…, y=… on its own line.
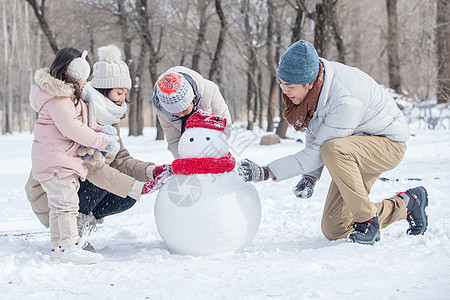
x=110, y=71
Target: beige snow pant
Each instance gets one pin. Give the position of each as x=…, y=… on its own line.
x=63, y=203
x=354, y=163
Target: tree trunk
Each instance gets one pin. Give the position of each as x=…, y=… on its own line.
x=297, y=28
x=154, y=57
x=250, y=93
x=127, y=40
x=270, y=65
x=335, y=29
x=392, y=47
x=7, y=99
x=216, y=61
x=201, y=8
x=320, y=31
x=252, y=65
x=259, y=99
x=39, y=11
x=443, y=53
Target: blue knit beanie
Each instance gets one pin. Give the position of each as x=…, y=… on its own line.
x=299, y=64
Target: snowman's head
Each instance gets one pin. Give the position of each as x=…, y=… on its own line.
x=202, y=142
x=204, y=136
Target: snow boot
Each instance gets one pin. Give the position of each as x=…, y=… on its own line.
x=77, y=255
x=86, y=224
x=366, y=232
x=417, y=199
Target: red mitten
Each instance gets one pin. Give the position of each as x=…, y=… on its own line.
x=156, y=184
x=159, y=169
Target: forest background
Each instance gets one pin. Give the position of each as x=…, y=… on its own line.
x=403, y=44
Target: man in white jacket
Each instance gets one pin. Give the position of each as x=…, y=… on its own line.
x=355, y=129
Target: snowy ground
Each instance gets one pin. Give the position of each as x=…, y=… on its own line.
x=288, y=259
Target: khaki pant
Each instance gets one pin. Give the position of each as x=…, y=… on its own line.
x=38, y=200
x=63, y=203
x=354, y=163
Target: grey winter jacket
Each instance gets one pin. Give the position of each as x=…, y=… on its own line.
x=350, y=103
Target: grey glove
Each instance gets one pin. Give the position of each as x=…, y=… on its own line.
x=109, y=144
x=97, y=155
x=305, y=187
x=108, y=129
x=249, y=171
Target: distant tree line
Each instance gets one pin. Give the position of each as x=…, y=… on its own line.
x=403, y=44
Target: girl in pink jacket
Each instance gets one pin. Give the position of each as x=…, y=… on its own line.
x=58, y=132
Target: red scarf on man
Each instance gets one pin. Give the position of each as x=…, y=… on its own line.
x=299, y=116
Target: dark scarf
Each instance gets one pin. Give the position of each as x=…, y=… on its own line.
x=299, y=116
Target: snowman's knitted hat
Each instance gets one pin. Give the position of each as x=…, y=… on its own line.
x=174, y=92
x=201, y=119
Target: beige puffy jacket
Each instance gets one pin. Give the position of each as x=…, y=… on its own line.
x=211, y=101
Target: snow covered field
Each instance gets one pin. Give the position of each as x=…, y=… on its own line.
x=288, y=259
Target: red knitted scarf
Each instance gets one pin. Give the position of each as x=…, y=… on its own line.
x=203, y=165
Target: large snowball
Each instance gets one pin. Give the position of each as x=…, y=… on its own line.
x=207, y=213
x=202, y=142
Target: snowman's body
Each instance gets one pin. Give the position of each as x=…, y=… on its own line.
x=200, y=214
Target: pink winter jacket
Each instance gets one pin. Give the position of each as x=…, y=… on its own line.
x=59, y=129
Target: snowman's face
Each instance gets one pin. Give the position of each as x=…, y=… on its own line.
x=202, y=142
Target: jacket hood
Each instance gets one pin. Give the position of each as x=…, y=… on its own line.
x=48, y=87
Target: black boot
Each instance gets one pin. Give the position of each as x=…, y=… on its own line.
x=416, y=215
x=366, y=232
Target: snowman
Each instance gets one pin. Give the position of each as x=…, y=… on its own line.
x=206, y=208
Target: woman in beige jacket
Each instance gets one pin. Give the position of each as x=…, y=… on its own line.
x=180, y=92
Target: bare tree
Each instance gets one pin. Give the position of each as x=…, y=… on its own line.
x=251, y=31
x=202, y=6
x=271, y=65
x=135, y=118
x=216, y=59
x=443, y=53
x=325, y=26
x=421, y=46
x=39, y=11
x=392, y=46
x=154, y=51
x=335, y=28
x=7, y=117
x=296, y=31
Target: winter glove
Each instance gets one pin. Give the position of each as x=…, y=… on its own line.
x=88, y=152
x=108, y=129
x=305, y=187
x=156, y=184
x=109, y=144
x=249, y=171
x=152, y=171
